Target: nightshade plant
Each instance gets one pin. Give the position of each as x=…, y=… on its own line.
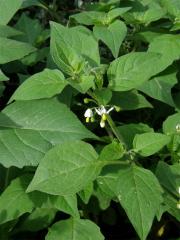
x=90, y=120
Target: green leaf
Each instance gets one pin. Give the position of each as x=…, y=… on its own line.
x=138, y=191
x=169, y=125
x=67, y=204
x=128, y=132
x=69, y=49
x=40, y=85
x=66, y=169
x=147, y=144
x=160, y=87
x=7, y=9
x=130, y=100
x=103, y=96
x=85, y=83
x=144, y=13
x=39, y=219
x=99, y=18
x=116, y=12
x=112, y=36
x=11, y=50
x=29, y=130
x=3, y=77
x=14, y=201
x=126, y=72
x=112, y=151
x=168, y=46
x=89, y=18
x=169, y=177
x=173, y=7
x=7, y=31
x=86, y=193
x=74, y=229
x=30, y=28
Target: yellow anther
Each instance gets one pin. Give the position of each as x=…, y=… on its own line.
x=104, y=117
x=87, y=120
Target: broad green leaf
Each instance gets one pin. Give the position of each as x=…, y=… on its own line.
x=148, y=35
x=67, y=204
x=144, y=13
x=35, y=57
x=130, y=100
x=31, y=29
x=89, y=18
x=74, y=229
x=86, y=193
x=173, y=7
x=3, y=77
x=30, y=128
x=103, y=96
x=41, y=85
x=66, y=169
x=169, y=125
x=39, y=219
x=112, y=151
x=7, y=10
x=160, y=87
x=169, y=177
x=112, y=36
x=168, y=46
x=14, y=201
x=126, y=72
x=147, y=144
x=7, y=31
x=84, y=84
x=116, y=12
x=128, y=132
x=138, y=192
x=11, y=50
x=69, y=49
x=98, y=18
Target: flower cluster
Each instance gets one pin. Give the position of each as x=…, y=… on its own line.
x=101, y=111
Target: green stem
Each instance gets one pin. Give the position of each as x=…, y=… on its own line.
x=114, y=129
x=109, y=133
x=51, y=11
x=54, y=5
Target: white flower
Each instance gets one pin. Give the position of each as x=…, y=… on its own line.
x=103, y=113
x=88, y=114
x=179, y=190
x=102, y=110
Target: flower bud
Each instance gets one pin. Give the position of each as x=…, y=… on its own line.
x=117, y=108
x=86, y=100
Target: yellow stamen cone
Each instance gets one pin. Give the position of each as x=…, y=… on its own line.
x=104, y=117
x=87, y=120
